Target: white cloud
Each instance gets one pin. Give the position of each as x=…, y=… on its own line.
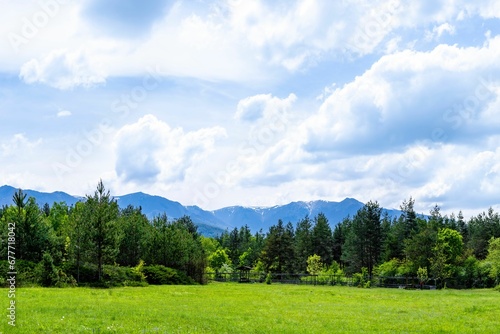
x=233, y=40
x=18, y=145
x=63, y=70
x=411, y=125
x=150, y=150
x=432, y=96
x=263, y=106
x=438, y=31
x=485, y=8
x=64, y=113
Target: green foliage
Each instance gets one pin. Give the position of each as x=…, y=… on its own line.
x=314, y=264
x=47, y=272
x=481, y=229
x=219, y=258
x=447, y=252
x=322, y=239
x=269, y=278
x=84, y=239
x=303, y=243
x=494, y=258
x=138, y=271
x=114, y=275
x=210, y=245
x=361, y=279
x=451, y=243
x=161, y=275
x=416, y=247
x=101, y=213
x=389, y=268
x=363, y=245
x=422, y=274
x=278, y=254
x=135, y=229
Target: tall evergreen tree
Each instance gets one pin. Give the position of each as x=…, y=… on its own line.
x=135, y=230
x=303, y=243
x=409, y=217
x=32, y=232
x=363, y=244
x=102, y=211
x=78, y=241
x=339, y=233
x=322, y=239
x=278, y=253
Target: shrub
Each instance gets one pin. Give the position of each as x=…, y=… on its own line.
x=26, y=273
x=268, y=278
x=64, y=280
x=360, y=279
x=112, y=275
x=388, y=269
x=87, y=273
x=47, y=273
x=161, y=275
x=115, y=275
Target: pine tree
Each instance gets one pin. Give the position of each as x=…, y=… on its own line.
x=303, y=243
x=363, y=244
x=101, y=212
x=322, y=239
x=278, y=252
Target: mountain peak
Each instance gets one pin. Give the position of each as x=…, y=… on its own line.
x=213, y=222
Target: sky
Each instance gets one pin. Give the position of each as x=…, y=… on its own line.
x=254, y=103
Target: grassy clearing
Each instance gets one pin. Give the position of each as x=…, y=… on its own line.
x=252, y=308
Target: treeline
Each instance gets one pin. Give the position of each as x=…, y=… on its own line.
x=446, y=248
x=95, y=242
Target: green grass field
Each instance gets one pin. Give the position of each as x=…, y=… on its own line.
x=252, y=308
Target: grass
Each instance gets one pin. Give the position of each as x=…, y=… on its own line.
x=252, y=308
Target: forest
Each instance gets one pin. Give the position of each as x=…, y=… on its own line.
x=96, y=243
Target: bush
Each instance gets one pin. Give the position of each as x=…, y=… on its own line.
x=112, y=275
x=268, y=278
x=26, y=274
x=47, y=273
x=161, y=275
x=388, y=269
x=87, y=273
x=360, y=279
x=119, y=276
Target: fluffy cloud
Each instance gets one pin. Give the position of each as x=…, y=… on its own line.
x=442, y=95
x=232, y=40
x=64, y=113
x=18, y=146
x=419, y=124
x=263, y=106
x=63, y=70
x=150, y=150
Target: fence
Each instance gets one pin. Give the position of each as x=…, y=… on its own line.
x=307, y=279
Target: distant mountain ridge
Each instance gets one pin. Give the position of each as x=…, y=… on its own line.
x=211, y=223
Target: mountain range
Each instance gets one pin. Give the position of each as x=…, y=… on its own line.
x=214, y=222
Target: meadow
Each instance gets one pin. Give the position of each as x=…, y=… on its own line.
x=252, y=308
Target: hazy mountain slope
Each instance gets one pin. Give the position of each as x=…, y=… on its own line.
x=213, y=222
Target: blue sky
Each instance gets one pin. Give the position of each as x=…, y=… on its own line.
x=257, y=103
